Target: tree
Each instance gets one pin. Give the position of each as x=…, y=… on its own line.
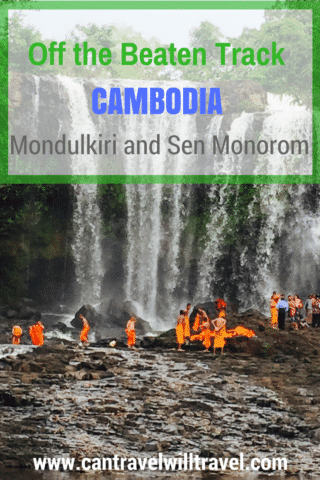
x=19, y=40
x=292, y=30
x=205, y=36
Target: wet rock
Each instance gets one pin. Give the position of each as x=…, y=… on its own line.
x=240, y=344
x=117, y=314
x=90, y=313
x=10, y=399
x=95, y=399
x=315, y=435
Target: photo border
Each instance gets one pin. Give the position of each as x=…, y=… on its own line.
x=153, y=179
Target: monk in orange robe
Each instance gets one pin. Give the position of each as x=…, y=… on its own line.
x=240, y=331
x=205, y=334
x=220, y=332
x=273, y=309
x=36, y=333
x=16, y=335
x=180, y=330
x=131, y=332
x=85, y=330
x=292, y=312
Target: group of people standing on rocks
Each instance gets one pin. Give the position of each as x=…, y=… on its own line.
x=206, y=329
x=279, y=308
x=37, y=336
x=212, y=332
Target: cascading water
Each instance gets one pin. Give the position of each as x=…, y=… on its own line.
x=86, y=246
x=143, y=227
x=288, y=122
x=142, y=269
x=232, y=163
x=215, y=237
x=147, y=231
x=261, y=143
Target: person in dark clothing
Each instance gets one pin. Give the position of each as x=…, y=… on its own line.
x=282, y=307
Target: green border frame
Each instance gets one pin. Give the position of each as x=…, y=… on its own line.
x=314, y=5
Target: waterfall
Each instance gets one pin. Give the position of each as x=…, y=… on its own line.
x=154, y=261
x=231, y=163
x=143, y=227
x=289, y=122
x=176, y=250
x=214, y=242
x=86, y=246
x=276, y=128
x=148, y=232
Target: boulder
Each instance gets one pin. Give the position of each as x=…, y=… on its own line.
x=90, y=313
x=117, y=314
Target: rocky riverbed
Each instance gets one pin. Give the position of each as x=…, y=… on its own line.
x=63, y=400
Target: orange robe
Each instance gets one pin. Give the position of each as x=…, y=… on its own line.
x=292, y=308
x=239, y=330
x=205, y=335
x=16, y=335
x=84, y=331
x=180, y=330
x=131, y=333
x=36, y=334
x=299, y=304
x=273, y=309
x=186, y=325
x=219, y=338
x=196, y=324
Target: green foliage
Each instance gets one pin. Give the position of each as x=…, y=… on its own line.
x=112, y=201
x=292, y=30
x=34, y=222
x=108, y=36
x=244, y=217
x=205, y=36
x=19, y=40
